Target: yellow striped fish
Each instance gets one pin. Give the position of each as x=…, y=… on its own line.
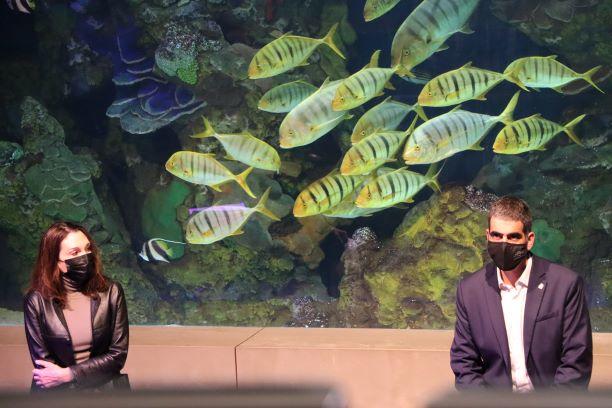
x=396, y=187
x=363, y=85
x=385, y=116
x=372, y=152
x=453, y=132
x=347, y=207
x=459, y=85
x=283, y=98
x=324, y=194
x=288, y=52
x=376, y=8
x=546, y=72
x=202, y=168
x=426, y=29
x=244, y=147
x=215, y=223
x=532, y=133
x=312, y=118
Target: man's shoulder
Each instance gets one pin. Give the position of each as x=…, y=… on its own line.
x=556, y=272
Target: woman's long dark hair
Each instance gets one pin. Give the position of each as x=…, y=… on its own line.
x=47, y=277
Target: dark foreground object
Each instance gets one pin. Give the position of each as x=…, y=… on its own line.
x=219, y=398
x=539, y=399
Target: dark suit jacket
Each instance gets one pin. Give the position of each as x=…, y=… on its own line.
x=557, y=330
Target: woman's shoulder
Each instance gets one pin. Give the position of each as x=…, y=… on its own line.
x=113, y=287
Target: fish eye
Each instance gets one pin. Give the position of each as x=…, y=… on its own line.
x=417, y=148
x=406, y=52
x=363, y=133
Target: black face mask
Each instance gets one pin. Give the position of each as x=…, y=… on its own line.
x=79, y=269
x=507, y=256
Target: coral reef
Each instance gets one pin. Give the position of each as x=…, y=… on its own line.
x=50, y=183
x=410, y=280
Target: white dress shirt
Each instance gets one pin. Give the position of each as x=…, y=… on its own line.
x=513, y=304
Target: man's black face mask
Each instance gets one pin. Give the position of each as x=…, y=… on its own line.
x=505, y=255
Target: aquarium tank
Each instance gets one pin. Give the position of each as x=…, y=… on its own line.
x=312, y=163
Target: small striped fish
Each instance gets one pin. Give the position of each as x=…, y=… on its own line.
x=23, y=6
x=312, y=118
x=244, y=147
x=385, y=116
x=372, y=152
x=324, y=194
x=362, y=86
x=202, y=168
x=532, y=133
x=288, y=52
x=396, y=187
x=283, y=98
x=427, y=28
x=376, y=8
x=215, y=223
x=545, y=72
x=459, y=85
x=453, y=132
x=347, y=207
x=157, y=250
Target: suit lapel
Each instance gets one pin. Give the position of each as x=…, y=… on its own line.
x=535, y=292
x=496, y=314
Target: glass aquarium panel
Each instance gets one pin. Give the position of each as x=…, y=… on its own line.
x=315, y=163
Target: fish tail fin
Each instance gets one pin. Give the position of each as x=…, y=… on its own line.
x=507, y=115
x=208, y=131
x=569, y=130
x=241, y=180
x=261, y=206
x=432, y=176
x=374, y=59
x=329, y=40
x=588, y=76
x=420, y=112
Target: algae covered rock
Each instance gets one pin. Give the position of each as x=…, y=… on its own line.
x=410, y=281
x=51, y=183
x=177, y=53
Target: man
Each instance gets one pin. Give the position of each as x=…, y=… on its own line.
x=522, y=321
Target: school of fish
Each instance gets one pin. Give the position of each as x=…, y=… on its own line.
x=362, y=184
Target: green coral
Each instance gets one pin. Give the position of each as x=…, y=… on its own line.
x=159, y=214
x=412, y=278
x=177, y=54
x=548, y=241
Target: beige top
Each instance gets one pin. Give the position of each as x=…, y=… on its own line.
x=78, y=318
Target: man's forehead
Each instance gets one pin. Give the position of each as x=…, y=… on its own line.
x=505, y=225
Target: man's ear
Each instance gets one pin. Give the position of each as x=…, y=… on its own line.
x=530, y=240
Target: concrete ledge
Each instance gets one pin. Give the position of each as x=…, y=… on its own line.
x=372, y=367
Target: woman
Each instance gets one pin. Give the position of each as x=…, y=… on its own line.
x=76, y=319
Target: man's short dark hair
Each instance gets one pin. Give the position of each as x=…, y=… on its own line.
x=512, y=208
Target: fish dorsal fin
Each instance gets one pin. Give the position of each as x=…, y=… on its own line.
x=374, y=60
x=278, y=34
x=324, y=84
x=208, y=154
x=456, y=108
x=386, y=100
x=468, y=65
x=553, y=57
x=536, y=116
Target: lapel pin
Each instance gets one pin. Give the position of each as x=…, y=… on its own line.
x=541, y=286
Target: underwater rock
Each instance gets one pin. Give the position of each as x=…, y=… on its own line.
x=410, y=281
x=10, y=153
x=576, y=29
x=305, y=235
x=10, y=317
x=52, y=183
x=548, y=241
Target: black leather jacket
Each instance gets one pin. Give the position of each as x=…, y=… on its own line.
x=49, y=339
